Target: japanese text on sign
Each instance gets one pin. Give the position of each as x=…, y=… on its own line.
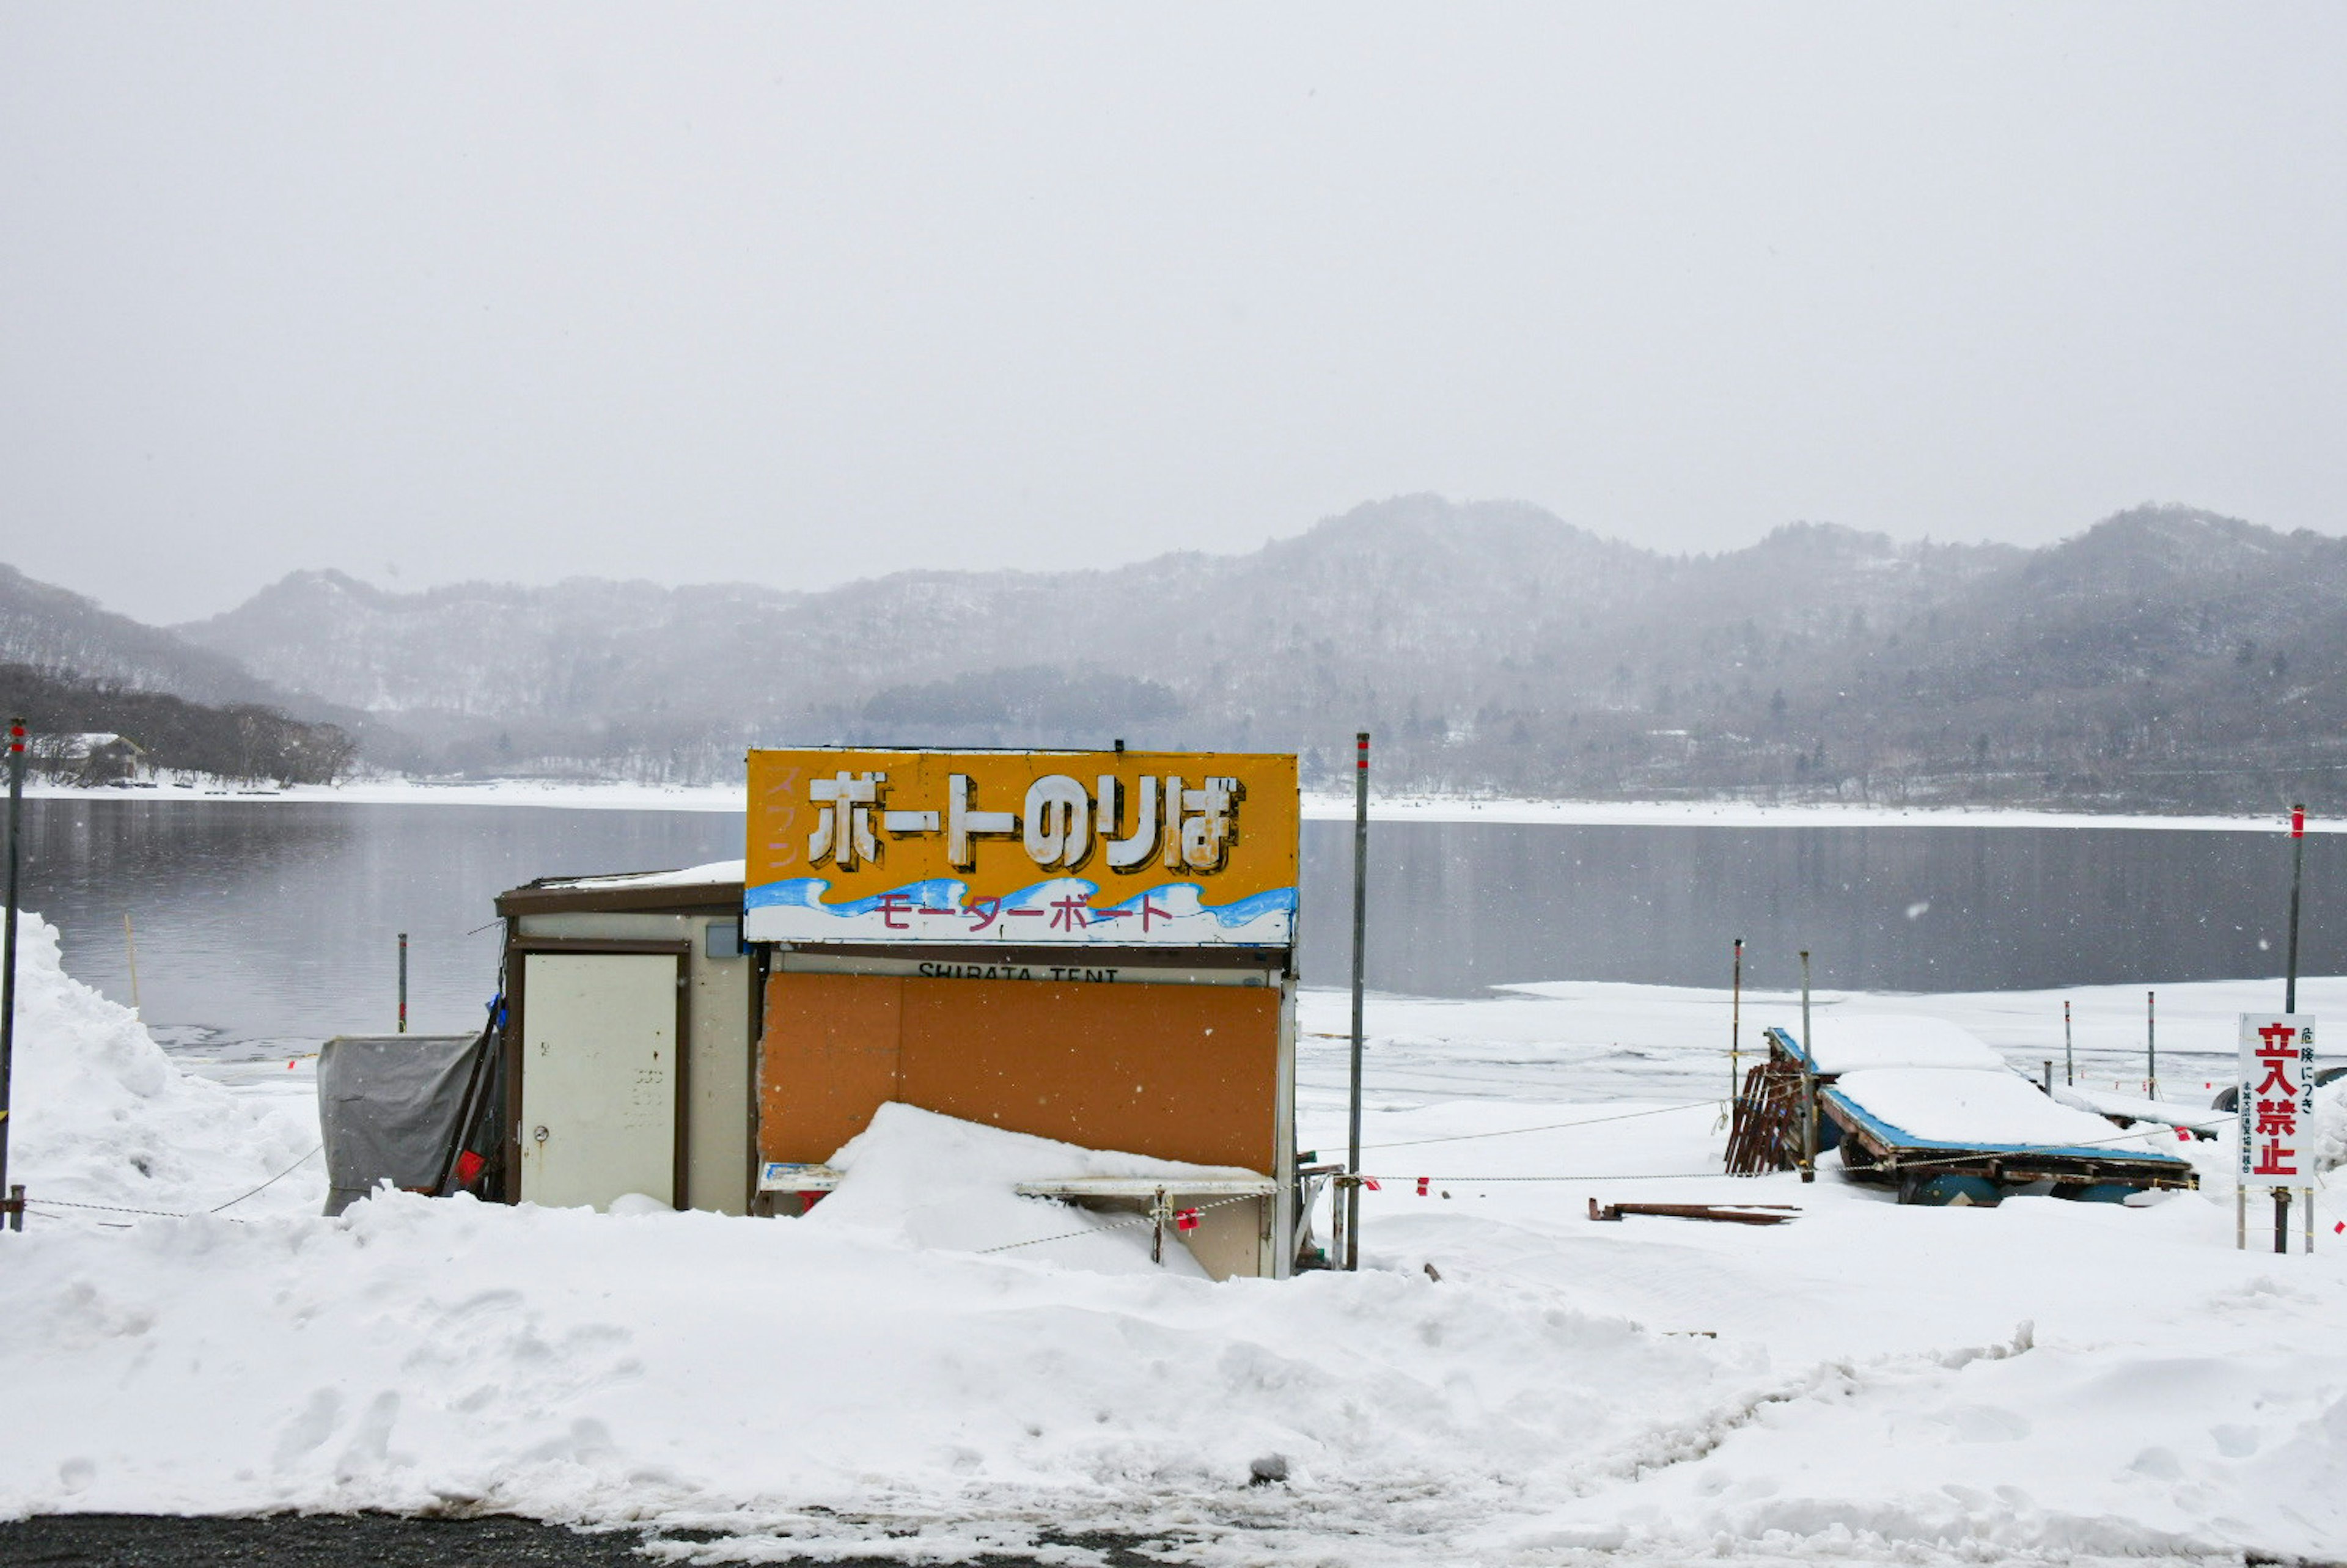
x=1047, y=847
x=2276, y=1097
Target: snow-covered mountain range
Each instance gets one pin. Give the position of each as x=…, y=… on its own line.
x=2165, y=656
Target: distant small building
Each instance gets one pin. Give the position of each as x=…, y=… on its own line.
x=89, y=757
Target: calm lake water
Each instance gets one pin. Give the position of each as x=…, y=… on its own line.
x=274, y=920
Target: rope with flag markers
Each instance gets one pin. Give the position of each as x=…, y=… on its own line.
x=1189, y=1214
x=1547, y=1127
x=183, y=1214
x=122, y=1209
x=268, y=1183
x=2131, y=1136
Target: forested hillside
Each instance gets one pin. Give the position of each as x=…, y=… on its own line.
x=2162, y=659
x=243, y=742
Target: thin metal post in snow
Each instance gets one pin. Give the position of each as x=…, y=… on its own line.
x=403, y=982
x=2151, y=1045
x=1337, y=1229
x=15, y=1202
x=1360, y=947
x=1809, y=1080
x=2281, y=1219
x=2069, y=1057
x=130, y=947
x=1736, y=1027
x=2297, y=879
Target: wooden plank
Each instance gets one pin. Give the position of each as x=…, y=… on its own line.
x=1731, y=1213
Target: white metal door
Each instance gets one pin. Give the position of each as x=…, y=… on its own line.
x=599, y=1076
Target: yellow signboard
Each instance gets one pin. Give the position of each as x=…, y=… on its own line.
x=1177, y=849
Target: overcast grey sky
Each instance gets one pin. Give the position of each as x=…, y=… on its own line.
x=797, y=294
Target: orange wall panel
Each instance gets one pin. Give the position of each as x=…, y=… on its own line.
x=1180, y=1072
x=828, y=1059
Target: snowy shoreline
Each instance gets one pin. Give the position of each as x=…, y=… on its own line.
x=1730, y=813
x=1504, y=1383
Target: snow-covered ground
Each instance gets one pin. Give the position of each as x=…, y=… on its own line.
x=2040, y=1381
x=1316, y=808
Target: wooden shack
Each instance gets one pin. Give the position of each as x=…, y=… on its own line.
x=1096, y=948
x=1092, y=948
x=631, y=1007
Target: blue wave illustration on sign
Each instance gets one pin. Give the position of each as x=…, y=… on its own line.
x=1066, y=900
x=806, y=893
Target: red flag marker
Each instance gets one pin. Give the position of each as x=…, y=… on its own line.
x=1422, y=1181
x=2184, y=1134
x=1187, y=1220
x=1370, y=1182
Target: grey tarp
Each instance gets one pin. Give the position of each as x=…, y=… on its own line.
x=388, y=1106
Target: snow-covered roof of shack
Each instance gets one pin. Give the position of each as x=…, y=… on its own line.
x=1853, y=1042
x=692, y=889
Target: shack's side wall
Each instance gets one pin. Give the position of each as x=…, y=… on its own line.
x=718, y=1169
x=1184, y=1073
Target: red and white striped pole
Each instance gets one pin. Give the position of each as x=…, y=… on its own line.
x=2297, y=879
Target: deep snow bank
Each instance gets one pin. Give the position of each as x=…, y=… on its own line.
x=1869, y=1397
x=422, y=1354
x=100, y=1114
x=934, y=1181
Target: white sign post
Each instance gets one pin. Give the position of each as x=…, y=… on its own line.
x=2275, y=1107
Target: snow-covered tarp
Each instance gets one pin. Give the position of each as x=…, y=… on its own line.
x=1957, y=1108
x=1854, y=1041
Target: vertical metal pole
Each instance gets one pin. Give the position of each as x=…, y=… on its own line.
x=1336, y=1228
x=1736, y=1027
x=2281, y=1219
x=2151, y=1045
x=2069, y=1057
x=1809, y=1080
x=403, y=982
x=2049, y=1078
x=2297, y=879
x=2306, y=1202
x=1360, y=947
x=8, y=959
x=130, y=946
